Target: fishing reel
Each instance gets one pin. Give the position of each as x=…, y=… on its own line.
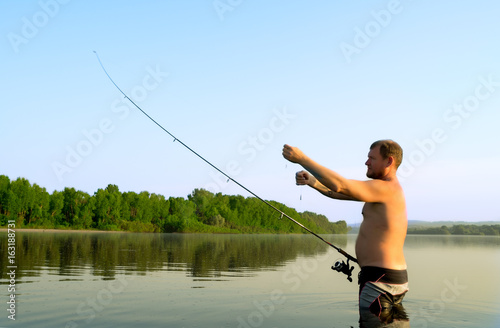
x=341, y=266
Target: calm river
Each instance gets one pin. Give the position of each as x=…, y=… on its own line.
x=82, y=279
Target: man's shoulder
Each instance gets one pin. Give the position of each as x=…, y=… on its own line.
x=385, y=183
x=389, y=182
x=392, y=189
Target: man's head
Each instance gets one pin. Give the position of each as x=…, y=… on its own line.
x=384, y=156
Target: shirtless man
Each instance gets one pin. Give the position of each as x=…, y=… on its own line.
x=383, y=279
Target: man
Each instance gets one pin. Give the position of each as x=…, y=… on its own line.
x=383, y=279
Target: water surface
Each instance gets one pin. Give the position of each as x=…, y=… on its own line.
x=85, y=279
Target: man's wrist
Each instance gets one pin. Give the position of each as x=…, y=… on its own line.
x=304, y=161
x=313, y=183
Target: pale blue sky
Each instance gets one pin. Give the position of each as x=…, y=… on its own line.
x=235, y=80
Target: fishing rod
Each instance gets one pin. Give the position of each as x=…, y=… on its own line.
x=337, y=266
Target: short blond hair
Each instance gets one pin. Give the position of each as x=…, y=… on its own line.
x=389, y=148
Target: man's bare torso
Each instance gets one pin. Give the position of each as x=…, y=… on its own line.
x=382, y=234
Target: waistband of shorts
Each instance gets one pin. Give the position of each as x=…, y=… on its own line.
x=377, y=274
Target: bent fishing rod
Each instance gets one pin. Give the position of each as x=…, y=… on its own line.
x=283, y=214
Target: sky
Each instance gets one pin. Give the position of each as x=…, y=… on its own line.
x=235, y=80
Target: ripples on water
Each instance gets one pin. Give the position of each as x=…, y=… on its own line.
x=175, y=280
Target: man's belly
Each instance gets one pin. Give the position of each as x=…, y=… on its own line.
x=377, y=254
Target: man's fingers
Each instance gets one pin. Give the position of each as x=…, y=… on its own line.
x=289, y=153
x=300, y=174
x=286, y=151
x=301, y=178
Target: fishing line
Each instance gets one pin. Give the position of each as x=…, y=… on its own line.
x=283, y=214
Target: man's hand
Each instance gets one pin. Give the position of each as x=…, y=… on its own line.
x=293, y=154
x=303, y=178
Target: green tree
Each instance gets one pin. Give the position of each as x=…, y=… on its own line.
x=39, y=212
x=458, y=230
x=115, y=206
x=84, y=210
x=202, y=199
x=144, y=207
x=139, y=206
x=160, y=209
x=4, y=199
x=102, y=209
x=56, y=206
x=339, y=227
x=20, y=200
x=181, y=215
x=69, y=208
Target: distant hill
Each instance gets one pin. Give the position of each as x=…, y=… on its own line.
x=414, y=225
x=430, y=224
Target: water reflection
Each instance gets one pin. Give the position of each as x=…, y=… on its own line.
x=70, y=254
x=187, y=280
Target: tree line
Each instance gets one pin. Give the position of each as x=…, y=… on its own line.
x=31, y=206
x=459, y=229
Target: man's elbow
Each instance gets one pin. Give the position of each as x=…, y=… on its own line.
x=336, y=188
x=333, y=183
x=342, y=189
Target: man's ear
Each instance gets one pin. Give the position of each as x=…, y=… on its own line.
x=390, y=160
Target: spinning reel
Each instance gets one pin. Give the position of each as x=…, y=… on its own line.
x=341, y=266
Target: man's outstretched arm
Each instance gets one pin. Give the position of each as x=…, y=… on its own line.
x=366, y=191
x=304, y=178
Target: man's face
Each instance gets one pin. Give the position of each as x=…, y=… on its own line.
x=376, y=165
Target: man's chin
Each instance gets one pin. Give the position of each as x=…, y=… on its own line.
x=372, y=175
